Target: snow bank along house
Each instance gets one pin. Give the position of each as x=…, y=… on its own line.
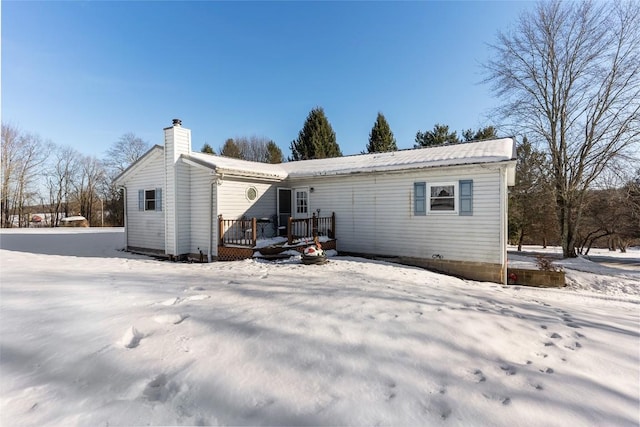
x=441, y=207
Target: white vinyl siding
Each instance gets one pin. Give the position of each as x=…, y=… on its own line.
x=177, y=192
x=233, y=203
x=375, y=214
x=145, y=229
x=183, y=207
x=200, y=214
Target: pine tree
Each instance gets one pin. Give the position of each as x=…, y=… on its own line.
x=316, y=140
x=438, y=136
x=274, y=154
x=487, y=132
x=206, y=148
x=231, y=149
x=381, y=138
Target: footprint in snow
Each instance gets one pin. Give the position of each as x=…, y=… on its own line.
x=555, y=335
x=508, y=369
x=160, y=389
x=131, y=338
x=437, y=406
x=479, y=376
x=170, y=301
x=502, y=399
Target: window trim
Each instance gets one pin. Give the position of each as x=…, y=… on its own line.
x=147, y=200
x=143, y=201
x=456, y=195
x=304, y=191
x=248, y=191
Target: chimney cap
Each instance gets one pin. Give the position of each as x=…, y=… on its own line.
x=177, y=122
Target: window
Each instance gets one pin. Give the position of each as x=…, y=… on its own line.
x=442, y=197
x=251, y=193
x=302, y=205
x=455, y=197
x=150, y=200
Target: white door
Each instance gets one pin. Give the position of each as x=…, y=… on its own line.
x=301, y=203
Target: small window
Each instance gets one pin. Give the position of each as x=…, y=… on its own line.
x=442, y=197
x=150, y=200
x=302, y=204
x=251, y=193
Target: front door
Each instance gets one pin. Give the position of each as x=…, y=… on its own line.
x=301, y=203
x=284, y=209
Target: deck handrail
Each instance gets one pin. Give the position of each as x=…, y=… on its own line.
x=243, y=231
x=306, y=228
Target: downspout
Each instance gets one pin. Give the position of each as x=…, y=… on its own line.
x=503, y=223
x=126, y=223
x=211, y=216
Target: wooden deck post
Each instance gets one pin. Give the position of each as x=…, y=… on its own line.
x=220, y=231
x=254, y=230
x=289, y=231
x=314, y=225
x=333, y=225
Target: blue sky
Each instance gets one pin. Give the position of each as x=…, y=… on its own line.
x=82, y=74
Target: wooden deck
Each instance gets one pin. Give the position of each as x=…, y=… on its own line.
x=238, y=237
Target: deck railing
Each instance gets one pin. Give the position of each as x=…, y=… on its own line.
x=243, y=232
x=305, y=228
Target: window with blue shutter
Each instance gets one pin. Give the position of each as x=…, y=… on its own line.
x=466, y=197
x=419, y=198
x=140, y=200
x=159, y=199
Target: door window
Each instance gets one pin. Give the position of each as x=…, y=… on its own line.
x=302, y=203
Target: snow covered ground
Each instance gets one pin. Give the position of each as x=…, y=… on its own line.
x=93, y=336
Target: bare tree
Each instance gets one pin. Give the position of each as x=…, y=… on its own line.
x=60, y=175
x=125, y=151
x=570, y=77
x=122, y=153
x=90, y=176
x=253, y=148
x=23, y=155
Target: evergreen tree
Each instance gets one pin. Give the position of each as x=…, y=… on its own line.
x=316, y=140
x=381, y=138
x=487, y=132
x=206, y=148
x=231, y=149
x=274, y=154
x=438, y=136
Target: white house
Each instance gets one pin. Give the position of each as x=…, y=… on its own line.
x=441, y=207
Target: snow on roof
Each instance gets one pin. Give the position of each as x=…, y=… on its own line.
x=490, y=151
x=496, y=150
x=230, y=165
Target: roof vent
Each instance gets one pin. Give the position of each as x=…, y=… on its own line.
x=177, y=122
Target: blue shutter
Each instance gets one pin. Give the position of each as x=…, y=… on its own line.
x=140, y=200
x=158, y=199
x=419, y=198
x=466, y=197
